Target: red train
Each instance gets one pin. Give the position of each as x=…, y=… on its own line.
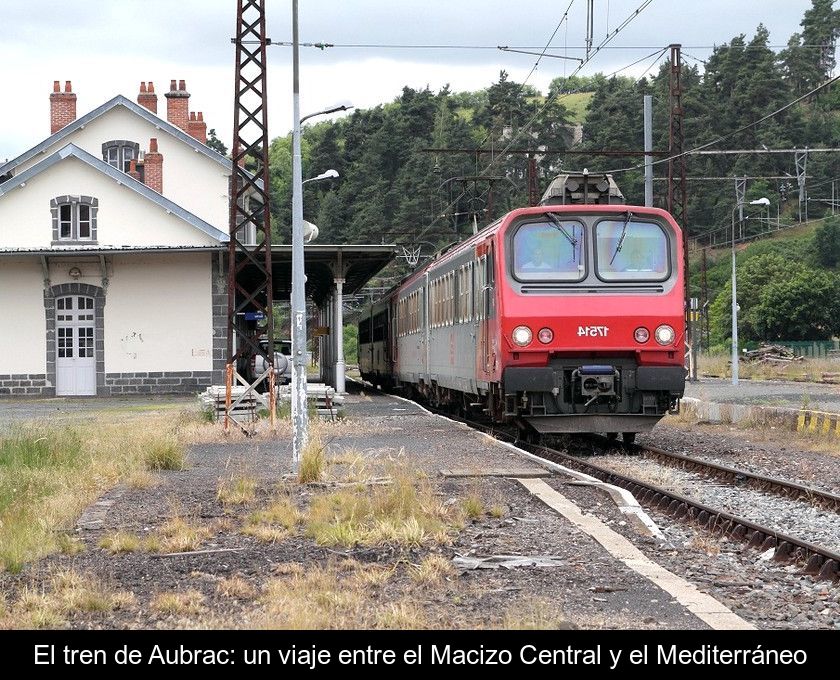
x=565, y=317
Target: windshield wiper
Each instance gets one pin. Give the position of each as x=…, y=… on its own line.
x=555, y=220
x=621, y=238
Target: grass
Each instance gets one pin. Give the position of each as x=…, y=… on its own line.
x=577, y=104
x=338, y=595
x=49, y=474
x=177, y=534
x=433, y=570
x=187, y=603
x=809, y=370
x=122, y=542
x=180, y=535
x=165, y=453
x=236, y=587
x=535, y=614
x=274, y=523
x=405, y=512
x=66, y=593
x=473, y=505
x=238, y=490
x=313, y=460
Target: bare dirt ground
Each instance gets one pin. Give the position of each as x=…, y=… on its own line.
x=234, y=541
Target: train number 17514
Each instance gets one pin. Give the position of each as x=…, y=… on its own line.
x=593, y=331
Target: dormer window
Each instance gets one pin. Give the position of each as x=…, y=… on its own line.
x=74, y=219
x=119, y=153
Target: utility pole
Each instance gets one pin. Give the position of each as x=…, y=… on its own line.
x=677, y=187
x=648, y=148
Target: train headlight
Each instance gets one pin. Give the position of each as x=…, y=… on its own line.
x=545, y=335
x=664, y=334
x=641, y=334
x=522, y=336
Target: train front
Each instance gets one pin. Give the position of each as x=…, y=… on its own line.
x=591, y=318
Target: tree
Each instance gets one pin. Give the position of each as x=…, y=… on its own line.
x=820, y=29
x=780, y=299
x=215, y=143
x=826, y=245
x=803, y=307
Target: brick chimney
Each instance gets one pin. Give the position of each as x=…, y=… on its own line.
x=178, y=105
x=132, y=169
x=153, y=167
x=62, y=106
x=147, y=97
x=197, y=127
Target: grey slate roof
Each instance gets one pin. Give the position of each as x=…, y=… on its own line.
x=141, y=111
x=71, y=150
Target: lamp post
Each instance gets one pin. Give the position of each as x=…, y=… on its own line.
x=298, y=298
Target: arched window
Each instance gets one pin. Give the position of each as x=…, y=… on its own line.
x=119, y=153
x=74, y=219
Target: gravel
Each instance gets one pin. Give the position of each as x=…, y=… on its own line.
x=795, y=518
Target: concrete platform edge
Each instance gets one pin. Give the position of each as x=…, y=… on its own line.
x=796, y=420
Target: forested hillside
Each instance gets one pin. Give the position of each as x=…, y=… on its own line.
x=391, y=190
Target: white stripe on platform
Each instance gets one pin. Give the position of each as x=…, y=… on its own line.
x=703, y=606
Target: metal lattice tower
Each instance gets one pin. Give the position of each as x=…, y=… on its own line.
x=250, y=224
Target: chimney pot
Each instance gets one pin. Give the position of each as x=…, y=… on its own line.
x=153, y=167
x=147, y=97
x=178, y=105
x=62, y=106
x=182, y=84
x=192, y=115
x=201, y=115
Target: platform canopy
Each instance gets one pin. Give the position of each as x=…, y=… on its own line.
x=323, y=263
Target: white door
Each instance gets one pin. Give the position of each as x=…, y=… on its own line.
x=75, y=361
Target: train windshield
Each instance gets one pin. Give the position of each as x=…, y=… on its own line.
x=627, y=250
x=549, y=251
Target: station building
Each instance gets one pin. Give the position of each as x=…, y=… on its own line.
x=113, y=254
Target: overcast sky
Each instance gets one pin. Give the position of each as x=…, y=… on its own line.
x=106, y=48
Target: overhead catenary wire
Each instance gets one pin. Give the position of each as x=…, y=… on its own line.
x=548, y=100
x=734, y=132
x=455, y=46
x=551, y=97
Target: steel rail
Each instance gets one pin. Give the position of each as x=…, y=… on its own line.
x=819, y=562
x=782, y=487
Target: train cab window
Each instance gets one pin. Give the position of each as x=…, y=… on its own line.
x=549, y=251
x=629, y=250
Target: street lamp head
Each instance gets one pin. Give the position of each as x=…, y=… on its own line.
x=327, y=174
x=331, y=109
x=760, y=201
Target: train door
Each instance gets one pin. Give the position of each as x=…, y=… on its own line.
x=392, y=337
x=488, y=312
x=424, y=315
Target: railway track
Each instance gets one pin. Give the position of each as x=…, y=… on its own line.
x=817, y=561
x=739, y=477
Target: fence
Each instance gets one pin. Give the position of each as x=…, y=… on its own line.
x=817, y=349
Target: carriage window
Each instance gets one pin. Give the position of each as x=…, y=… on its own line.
x=549, y=251
x=631, y=251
